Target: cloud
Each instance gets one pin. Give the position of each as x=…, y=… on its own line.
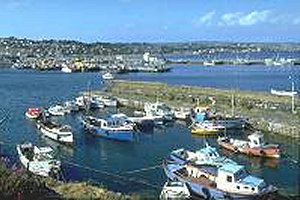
x=230, y=18
x=245, y=19
x=296, y=21
x=205, y=19
x=255, y=17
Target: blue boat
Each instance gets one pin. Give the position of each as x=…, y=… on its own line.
x=116, y=127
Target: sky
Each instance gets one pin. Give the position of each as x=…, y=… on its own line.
x=152, y=20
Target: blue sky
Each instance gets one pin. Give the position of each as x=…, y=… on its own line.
x=152, y=20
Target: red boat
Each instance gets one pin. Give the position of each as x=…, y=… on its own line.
x=33, y=113
x=255, y=146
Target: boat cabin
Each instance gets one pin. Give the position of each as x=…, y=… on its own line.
x=256, y=140
x=234, y=178
x=158, y=109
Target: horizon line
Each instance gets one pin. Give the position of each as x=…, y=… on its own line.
x=147, y=42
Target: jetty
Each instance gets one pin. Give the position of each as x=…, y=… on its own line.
x=265, y=111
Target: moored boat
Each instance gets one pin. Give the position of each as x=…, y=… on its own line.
x=206, y=128
x=66, y=69
x=204, y=156
x=108, y=76
x=228, y=181
x=116, y=127
x=38, y=160
x=254, y=146
x=33, y=113
x=182, y=113
x=108, y=101
x=175, y=190
x=283, y=92
x=59, y=133
x=159, y=110
x=57, y=110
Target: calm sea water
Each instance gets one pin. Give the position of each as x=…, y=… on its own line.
x=254, y=78
x=22, y=89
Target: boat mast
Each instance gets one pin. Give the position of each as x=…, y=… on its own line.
x=232, y=104
x=293, y=98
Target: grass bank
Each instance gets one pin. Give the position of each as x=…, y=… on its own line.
x=17, y=183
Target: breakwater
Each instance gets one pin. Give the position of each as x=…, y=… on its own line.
x=265, y=111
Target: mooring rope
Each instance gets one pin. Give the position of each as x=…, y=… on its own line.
x=143, y=169
x=118, y=176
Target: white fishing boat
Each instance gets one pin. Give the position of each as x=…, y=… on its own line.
x=175, y=190
x=209, y=63
x=38, y=160
x=71, y=106
x=182, y=113
x=206, y=127
x=283, y=93
x=160, y=110
x=108, y=76
x=59, y=133
x=66, y=69
x=108, y=101
x=57, y=110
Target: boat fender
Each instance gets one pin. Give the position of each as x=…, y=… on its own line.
x=235, y=149
x=262, y=152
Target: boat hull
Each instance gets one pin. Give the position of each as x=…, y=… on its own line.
x=54, y=135
x=201, y=131
x=120, y=135
x=269, y=152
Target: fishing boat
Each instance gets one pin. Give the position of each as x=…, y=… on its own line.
x=182, y=113
x=59, y=133
x=255, y=146
x=107, y=76
x=228, y=181
x=38, y=160
x=95, y=103
x=33, y=113
x=66, y=69
x=160, y=110
x=206, y=127
x=57, y=110
x=116, y=127
x=108, y=101
x=71, y=106
x=204, y=156
x=283, y=93
x=175, y=190
x=89, y=102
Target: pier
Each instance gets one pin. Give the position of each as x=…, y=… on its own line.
x=265, y=111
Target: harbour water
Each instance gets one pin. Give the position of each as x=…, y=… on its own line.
x=253, y=78
x=100, y=160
